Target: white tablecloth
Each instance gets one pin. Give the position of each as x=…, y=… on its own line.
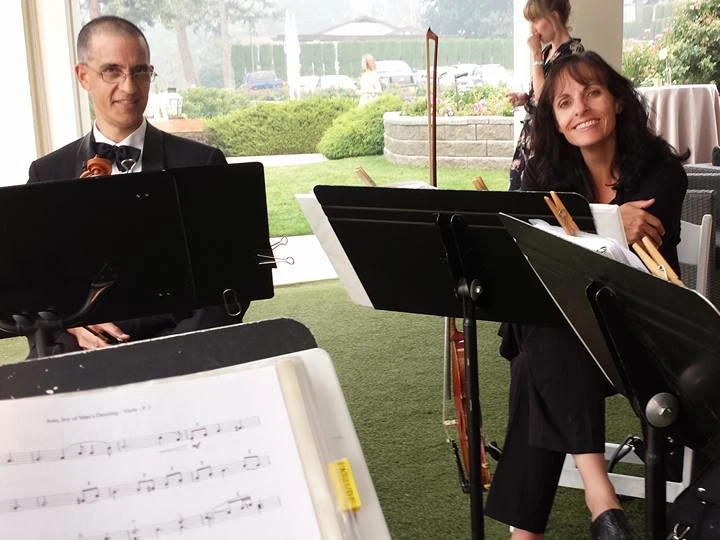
x=687, y=116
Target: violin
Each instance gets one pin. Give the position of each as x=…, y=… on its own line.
x=456, y=338
x=459, y=391
x=97, y=166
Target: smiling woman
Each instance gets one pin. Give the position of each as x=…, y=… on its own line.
x=590, y=136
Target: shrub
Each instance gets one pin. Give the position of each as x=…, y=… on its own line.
x=359, y=131
x=641, y=62
x=481, y=100
x=694, y=41
x=290, y=127
x=211, y=102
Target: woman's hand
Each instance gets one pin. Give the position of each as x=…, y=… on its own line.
x=639, y=223
x=517, y=99
x=535, y=47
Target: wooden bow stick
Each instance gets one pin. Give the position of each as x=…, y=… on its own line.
x=365, y=177
x=562, y=215
x=655, y=262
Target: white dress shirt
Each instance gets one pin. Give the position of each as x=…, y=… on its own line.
x=135, y=139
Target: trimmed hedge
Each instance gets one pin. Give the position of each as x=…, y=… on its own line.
x=211, y=102
x=290, y=127
x=320, y=58
x=359, y=131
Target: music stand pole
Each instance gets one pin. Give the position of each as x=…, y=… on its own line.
x=660, y=411
x=453, y=230
x=470, y=293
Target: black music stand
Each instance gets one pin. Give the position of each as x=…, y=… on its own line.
x=446, y=253
x=125, y=246
x=158, y=358
x=663, y=339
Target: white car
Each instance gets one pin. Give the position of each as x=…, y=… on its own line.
x=395, y=72
x=337, y=82
x=307, y=84
x=494, y=74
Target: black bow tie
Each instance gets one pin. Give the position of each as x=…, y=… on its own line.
x=125, y=157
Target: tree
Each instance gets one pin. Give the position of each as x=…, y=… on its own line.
x=694, y=41
x=469, y=18
x=221, y=13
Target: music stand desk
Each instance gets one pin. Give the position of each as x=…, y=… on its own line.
x=662, y=338
x=169, y=241
x=446, y=253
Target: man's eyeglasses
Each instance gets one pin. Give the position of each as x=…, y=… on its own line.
x=115, y=75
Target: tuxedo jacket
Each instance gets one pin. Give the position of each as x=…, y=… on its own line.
x=160, y=151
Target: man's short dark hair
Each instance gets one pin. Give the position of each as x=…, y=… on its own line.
x=111, y=23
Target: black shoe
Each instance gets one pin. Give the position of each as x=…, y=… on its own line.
x=611, y=525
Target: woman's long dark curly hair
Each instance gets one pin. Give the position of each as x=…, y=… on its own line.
x=637, y=148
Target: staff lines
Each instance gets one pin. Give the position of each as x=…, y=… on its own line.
x=228, y=510
x=88, y=449
x=94, y=494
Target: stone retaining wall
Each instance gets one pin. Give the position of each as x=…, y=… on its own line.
x=190, y=128
x=478, y=142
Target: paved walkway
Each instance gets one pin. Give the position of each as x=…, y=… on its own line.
x=309, y=262
x=279, y=161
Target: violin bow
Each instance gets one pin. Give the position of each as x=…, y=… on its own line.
x=431, y=97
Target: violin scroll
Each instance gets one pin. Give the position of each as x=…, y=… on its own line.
x=97, y=166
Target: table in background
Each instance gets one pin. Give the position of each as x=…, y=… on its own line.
x=687, y=116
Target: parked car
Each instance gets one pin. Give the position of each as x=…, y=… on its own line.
x=494, y=74
x=308, y=84
x=263, y=80
x=395, y=72
x=337, y=82
x=467, y=76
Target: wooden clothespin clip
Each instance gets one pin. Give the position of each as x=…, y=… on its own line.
x=655, y=262
x=479, y=183
x=562, y=215
x=365, y=177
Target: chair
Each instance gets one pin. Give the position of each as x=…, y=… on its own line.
x=696, y=254
x=695, y=249
x=701, y=199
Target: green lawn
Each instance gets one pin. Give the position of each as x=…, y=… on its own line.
x=282, y=183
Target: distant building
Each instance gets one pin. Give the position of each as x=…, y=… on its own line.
x=363, y=27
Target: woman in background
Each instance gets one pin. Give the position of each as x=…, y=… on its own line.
x=369, y=80
x=590, y=136
x=549, y=40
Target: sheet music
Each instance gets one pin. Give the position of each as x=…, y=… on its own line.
x=325, y=234
x=197, y=457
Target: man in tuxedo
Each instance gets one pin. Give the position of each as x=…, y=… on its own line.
x=114, y=68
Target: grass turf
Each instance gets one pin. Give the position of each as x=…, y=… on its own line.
x=390, y=367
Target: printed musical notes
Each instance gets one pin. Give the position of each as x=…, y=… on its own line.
x=193, y=456
x=90, y=449
x=143, y=486
x=232, y=509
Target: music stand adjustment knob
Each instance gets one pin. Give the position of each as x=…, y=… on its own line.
x=662, y=410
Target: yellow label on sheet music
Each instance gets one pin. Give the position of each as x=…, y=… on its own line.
x=343, y=481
